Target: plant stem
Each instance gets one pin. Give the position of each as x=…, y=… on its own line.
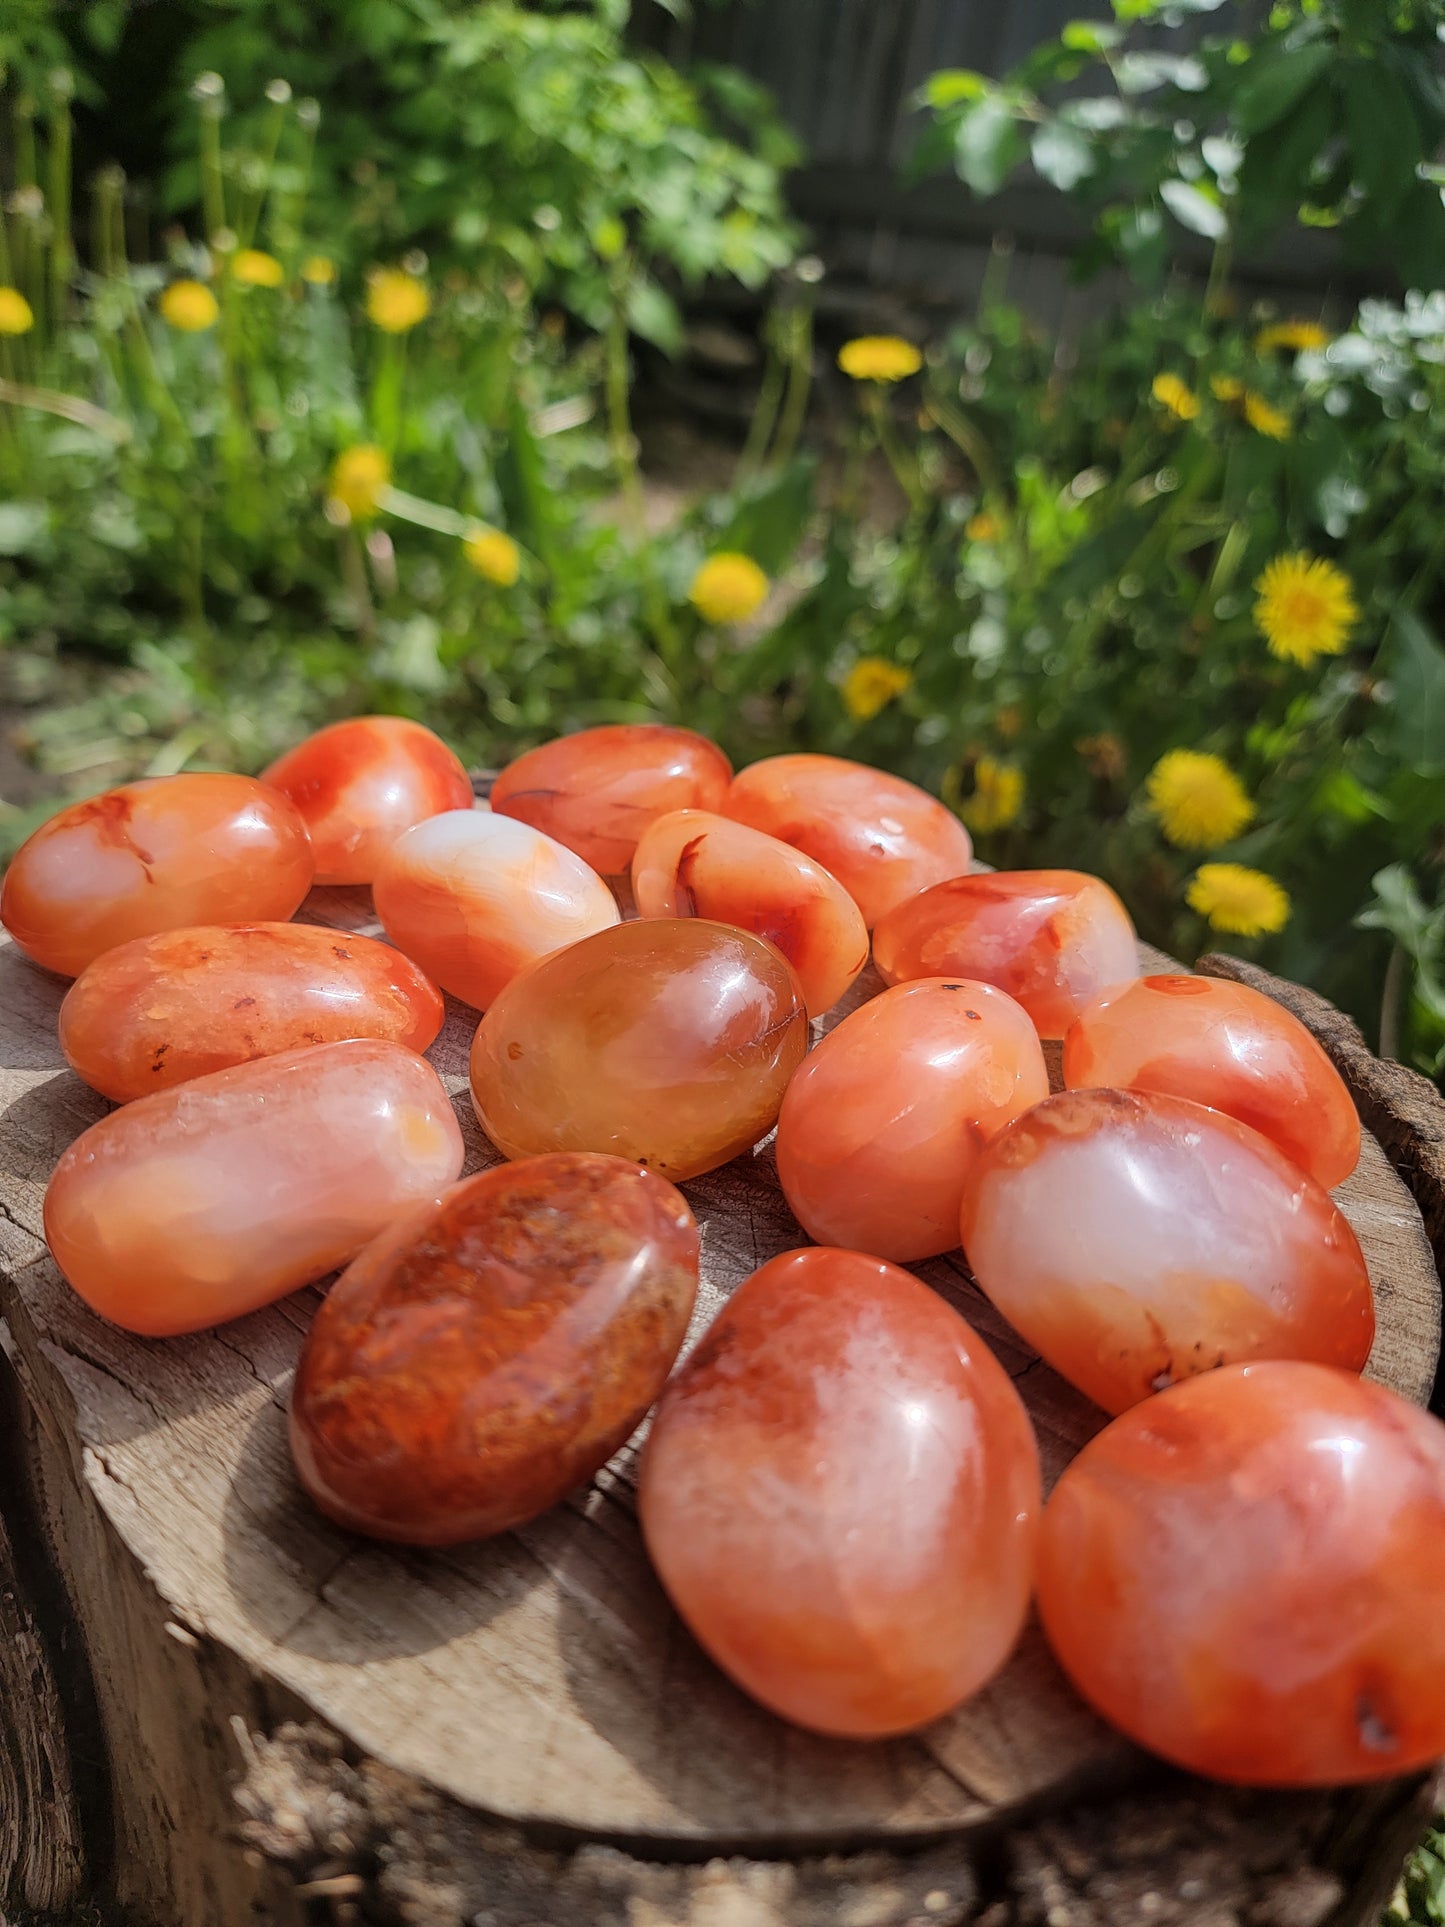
x=1219, y=265
x=61, y=250
x=965, y=437
x=248, y=214
x=800, y=381
x=765, y=408
x=1392, y=1003
x=620, y=437
x=905, y=469
x=213, y=187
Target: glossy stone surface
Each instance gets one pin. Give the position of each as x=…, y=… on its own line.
x=1245, y=1575
x=886, y=1116
x=474, y=898
x=670, y=1041
x=203, y=1202
x=882, y=838
x=1135, y=1239
x=1053, y=939
x=163, y=1009
x=840, y=1492
x=151, y=856
x=360, y=783
x=598, y=790
x=490, y=1353
x=692, y=863
x=1227, y=1046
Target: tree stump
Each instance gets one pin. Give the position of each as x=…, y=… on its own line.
x=217, y=1708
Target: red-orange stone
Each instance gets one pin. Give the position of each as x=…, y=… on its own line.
x=360, y=783
x=164, y=1009
x=840, y=1493
x=1053, y=939
x=152, y=856
x=598, y=790
x=1245, y=1575
x=486, y=1356
x=884, y=839
x=1227, y=1046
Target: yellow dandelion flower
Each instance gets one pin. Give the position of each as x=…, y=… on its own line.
x=1245, y=903
x=1306, y=608
x=358, y=476
x=1171, y=393
x=17, y=317
x=319, y=270
x=871, y=684
x=1198, y=799
x=1265, y=417
x=189, y=306
x=1293, y=335
x=983, y=527
x=728, y=588
x=396, y=300
x=254, y=268
x=998, y=795
x=879, y=358
x=494, y=555
x=1226, y=387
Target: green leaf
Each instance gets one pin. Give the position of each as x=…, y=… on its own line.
x=1272, y=82
x=1090, y=36
x=1062, y=155
x=23, y=526
x=1141, y=73
x=1417, y=673
x=1195, y=209
x=654, y=315
x=768, y=523
x=953, y=84
x=987, y=145
x=1384, y=137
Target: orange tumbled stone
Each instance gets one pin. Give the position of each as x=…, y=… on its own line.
x=1135, y=1239
x=691, y=863
x=840, y=1493
x=1053, y=939
x=886, y=1116
x=883, y=839
x=1245, y=1575
x=670, y=1041
x=475, y=898
x=150, y=856
x=163, y=1009
x=208, y=1200
x=1227, y=1046
x=360, y=783
x=489, y=1354
x=598, y=790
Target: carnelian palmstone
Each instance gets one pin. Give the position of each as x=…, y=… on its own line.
x=475, y=1364
x=205, y=1201
x=691, y=863
x=359, y=784
x=163, y=1009
x=1136, y=1239
x=1226, y=1046
x=884, y=1119
x=670, y=1041
x=1245, y=1575
x=883, y=839
x=475, y=898
x=597, y=791
x=151, y=856
x=840, y=1493
x=1053, y=939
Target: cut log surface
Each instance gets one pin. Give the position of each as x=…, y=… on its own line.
x=521, y=1731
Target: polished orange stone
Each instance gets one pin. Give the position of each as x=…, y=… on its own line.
x=882, y=838
x=886, y=1116
x=1053, y=939
x=210, y=1199
x=691, y=863
x=1245, y=1575
x=359, y=784
x=1135, y=1239
x=840, y=1493
x=1226, y=1046
x=151, y=856
x=598, y=790
x=491, y=1352
x=474, y=898
x=163, y=1009
x=670, y=1041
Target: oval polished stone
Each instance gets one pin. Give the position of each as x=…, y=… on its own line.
x=691, y=863
x=1227, y=1046
x=155, y=855
x=885, y=1117
x=163, y=1009
x=883, y=839
x=1135, y=1239
x=360, y=783
x=478, y=1362
x=203, y=1202
x=670, y=1041
x=1245, y=1575
x=475, y=898
x=1053, y=939
x=840, y=1493
x=597, y=791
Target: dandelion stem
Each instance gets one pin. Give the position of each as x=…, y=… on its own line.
x=970, y=442
x=58, y=155
x=769, y=399
x=800, y=381
x=621, y=439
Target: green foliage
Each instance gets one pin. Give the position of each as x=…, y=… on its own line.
x=1421, y=1899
